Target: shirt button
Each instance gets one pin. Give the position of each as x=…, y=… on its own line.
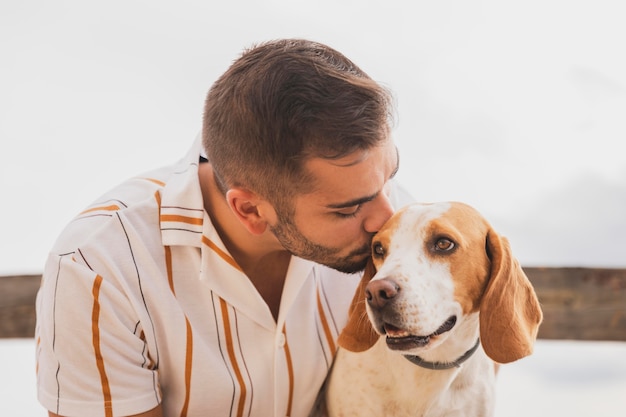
x=281, y=340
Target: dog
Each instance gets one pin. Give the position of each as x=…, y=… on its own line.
x=442, y=303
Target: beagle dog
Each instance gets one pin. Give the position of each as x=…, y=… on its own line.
x=442, y=303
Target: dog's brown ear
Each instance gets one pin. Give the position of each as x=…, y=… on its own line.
x=358, y=335
x=510, y=313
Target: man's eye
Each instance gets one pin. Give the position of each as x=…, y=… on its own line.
x=348, y=211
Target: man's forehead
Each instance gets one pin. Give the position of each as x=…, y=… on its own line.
x=354, y=176
x=349, y=160
x=386, y=148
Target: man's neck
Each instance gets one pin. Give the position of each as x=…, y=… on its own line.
x=261, y=258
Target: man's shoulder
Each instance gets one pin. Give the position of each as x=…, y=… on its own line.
x=140, y=194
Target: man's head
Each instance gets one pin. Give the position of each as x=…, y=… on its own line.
x=283, y=102
x=285, y=113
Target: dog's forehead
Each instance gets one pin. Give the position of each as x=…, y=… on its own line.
x=421, y=219
x=418, y=216
x=411, y=219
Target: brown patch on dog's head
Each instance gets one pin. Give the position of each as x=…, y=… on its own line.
x=468, y=262
x=489, y=279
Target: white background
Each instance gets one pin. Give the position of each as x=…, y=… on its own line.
x=518, y=108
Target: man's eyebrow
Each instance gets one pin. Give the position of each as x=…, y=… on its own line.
x=352, y=203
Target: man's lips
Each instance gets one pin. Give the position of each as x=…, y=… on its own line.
x=399, y=339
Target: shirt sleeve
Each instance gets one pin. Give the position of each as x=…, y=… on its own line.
x=92, y=358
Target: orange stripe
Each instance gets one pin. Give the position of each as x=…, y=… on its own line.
x=290, y=371
x=180, y=219
x=189, y=345
x=188, y=361
x=157, y=197
x=111, y=207
x=158, y=182
x=221, y=253
x=233, y=359
x=95, y=330
x=168, y=267
x=37, y=361
x=325, y=325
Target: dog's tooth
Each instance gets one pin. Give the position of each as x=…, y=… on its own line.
x=393, y=331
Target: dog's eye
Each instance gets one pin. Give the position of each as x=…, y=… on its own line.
x=444, y=244
x=378, y=250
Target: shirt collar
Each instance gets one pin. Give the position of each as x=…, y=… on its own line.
x=182, y=208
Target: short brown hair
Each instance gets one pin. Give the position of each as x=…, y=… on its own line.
x=282, y=102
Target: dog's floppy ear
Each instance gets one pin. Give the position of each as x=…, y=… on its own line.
x=510, y=313
x=358, y=335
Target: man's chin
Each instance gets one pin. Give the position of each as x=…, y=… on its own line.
x=351, y=264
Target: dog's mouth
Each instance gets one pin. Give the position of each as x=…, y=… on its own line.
x=398, y=339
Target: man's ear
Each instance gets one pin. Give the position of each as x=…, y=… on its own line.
x=250, y=209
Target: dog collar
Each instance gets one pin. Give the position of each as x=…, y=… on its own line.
x=440, y=366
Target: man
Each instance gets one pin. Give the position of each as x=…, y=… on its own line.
x=217, y=286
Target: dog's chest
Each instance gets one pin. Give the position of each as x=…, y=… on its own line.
x=363, y=385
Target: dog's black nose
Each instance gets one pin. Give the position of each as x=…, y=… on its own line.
x=379, y=292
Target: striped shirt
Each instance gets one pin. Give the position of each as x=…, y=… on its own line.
x=142, y=304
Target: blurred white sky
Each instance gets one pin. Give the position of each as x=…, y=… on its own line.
x=518, y=108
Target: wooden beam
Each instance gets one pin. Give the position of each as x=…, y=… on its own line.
x=17, y=305
x=578, y=303
x=581, y=303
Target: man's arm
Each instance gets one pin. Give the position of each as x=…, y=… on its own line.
x=155, y=412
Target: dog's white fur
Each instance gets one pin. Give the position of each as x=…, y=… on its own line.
x=438, y=261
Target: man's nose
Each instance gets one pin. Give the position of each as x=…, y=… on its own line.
x=379, y=213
